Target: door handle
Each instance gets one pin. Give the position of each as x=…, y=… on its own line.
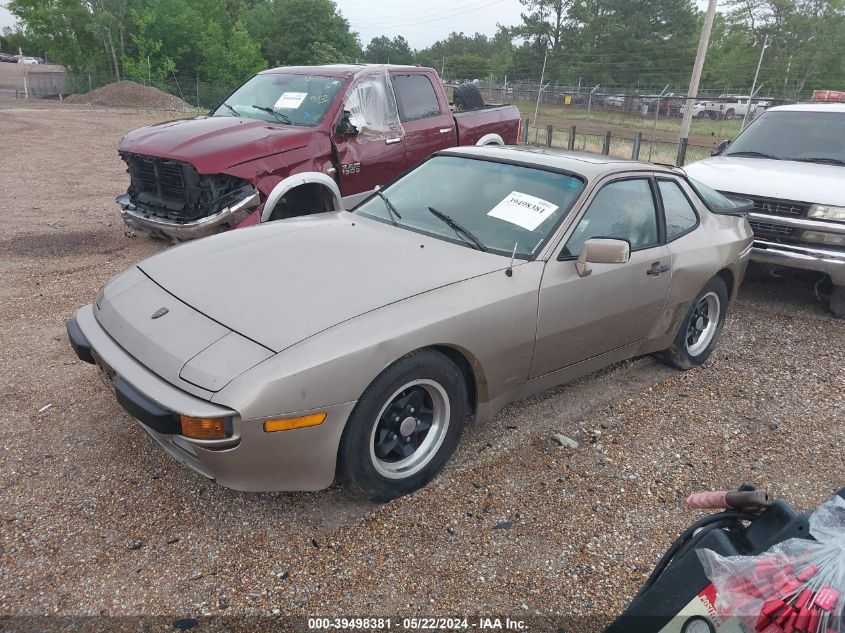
x=391, y=141
x=657, y=269
x=445, y=130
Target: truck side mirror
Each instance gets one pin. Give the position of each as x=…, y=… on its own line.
x=721, y=147
x=344, y=127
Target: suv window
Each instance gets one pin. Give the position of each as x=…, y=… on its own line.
x=416, y=97
x=680, y=214
x=624, y=210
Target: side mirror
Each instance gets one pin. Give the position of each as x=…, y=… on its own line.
x=602, y=250
x=721, y=147
x=344, y=127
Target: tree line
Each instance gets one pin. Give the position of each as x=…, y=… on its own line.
x=614, y=43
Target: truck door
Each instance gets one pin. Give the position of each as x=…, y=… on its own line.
x=371, y=151
x=429, y=125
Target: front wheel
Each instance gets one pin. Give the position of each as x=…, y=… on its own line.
x=701, y=327
x=405, y=427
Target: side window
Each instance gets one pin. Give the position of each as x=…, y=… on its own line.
x=372, y=107
x=416, y=97
x=680, y=215
x=623, y=210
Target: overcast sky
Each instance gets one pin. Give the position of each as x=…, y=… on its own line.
x=421, y=22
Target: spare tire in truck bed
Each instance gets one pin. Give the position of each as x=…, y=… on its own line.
x=467, y=96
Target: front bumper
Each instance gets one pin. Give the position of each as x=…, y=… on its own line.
x=136, y=219
x=824, y=260
x=249, y=460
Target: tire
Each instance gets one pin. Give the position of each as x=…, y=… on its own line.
x=420, y=399
x=699, y=331
x=467, y=97
x=837, y=301
x=730, y=113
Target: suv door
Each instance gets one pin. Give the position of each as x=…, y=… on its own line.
x=429, y=125
x=616, y=305
x=374, y=154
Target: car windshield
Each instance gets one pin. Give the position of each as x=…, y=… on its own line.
x=283, y=98
x=803, y=136
x=483, y=204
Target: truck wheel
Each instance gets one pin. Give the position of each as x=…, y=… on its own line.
x=467, y=97
x=700, y=329
x=730, y=113
x=837, y=302
x=404, y=427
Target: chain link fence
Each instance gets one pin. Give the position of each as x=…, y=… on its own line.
x=56, y=82
x=199, y=93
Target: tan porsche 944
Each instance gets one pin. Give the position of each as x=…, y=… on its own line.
x=358, y=344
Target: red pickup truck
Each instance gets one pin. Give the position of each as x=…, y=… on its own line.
x=297, y=140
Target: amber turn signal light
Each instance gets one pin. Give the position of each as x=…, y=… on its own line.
x=287, y=424
x=203, y=428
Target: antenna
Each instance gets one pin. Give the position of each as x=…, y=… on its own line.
x=509, y=271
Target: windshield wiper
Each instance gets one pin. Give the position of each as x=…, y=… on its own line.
x=823, y=160
x=283, y=118
x=232, y=109
x=391, y=210
x=457, y=228
x=753, y=154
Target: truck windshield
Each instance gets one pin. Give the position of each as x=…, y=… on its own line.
x=797, y=135
x=478, y=203
x=283, y=98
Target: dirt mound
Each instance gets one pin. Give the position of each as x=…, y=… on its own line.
x=131, y=95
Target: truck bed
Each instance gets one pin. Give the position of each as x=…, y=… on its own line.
x=472, y=125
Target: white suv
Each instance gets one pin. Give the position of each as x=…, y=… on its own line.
x=791, y=162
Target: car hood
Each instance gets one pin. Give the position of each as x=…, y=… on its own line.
x=781, y=179
x=280, y=283
x=212, y=144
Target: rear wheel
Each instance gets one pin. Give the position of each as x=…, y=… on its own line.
x=701, y=327
x=405, y=427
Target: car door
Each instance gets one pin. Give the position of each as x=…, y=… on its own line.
x=374, y=154
x=617, y=304
x=428, y=123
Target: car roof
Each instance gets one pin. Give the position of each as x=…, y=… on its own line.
x=810, y=107
x=583, y=163
x=337, y=70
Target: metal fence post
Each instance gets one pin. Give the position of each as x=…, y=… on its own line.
x=635, y=151
x=549, y=132
x=606, y=148
x=572, y=138
x=682, y=152
x=525, y=132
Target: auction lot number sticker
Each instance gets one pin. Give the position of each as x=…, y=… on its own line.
x=526, y=211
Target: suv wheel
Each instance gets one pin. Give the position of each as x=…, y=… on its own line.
x=837, y=301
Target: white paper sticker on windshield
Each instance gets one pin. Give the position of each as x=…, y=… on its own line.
x=290, y=100
x=526, y=211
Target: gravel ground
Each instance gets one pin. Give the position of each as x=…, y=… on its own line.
x=97, y=521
